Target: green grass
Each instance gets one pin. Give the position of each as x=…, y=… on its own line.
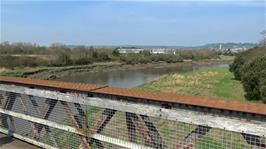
x=214, y=82
x=227, y=58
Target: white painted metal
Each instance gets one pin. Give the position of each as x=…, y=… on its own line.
x=119, y=142
x=181, y=115
x=100, y=137
x=41, y=121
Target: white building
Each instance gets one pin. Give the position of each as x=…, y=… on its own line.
x=153, y=51
x=162, y=51
x=130, y=50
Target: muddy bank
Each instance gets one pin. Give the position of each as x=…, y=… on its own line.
x=59, y=72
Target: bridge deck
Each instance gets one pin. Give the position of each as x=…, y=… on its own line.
x=12, y=143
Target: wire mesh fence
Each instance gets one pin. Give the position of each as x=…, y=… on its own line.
x=73, y=125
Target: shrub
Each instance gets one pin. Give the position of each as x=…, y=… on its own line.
x=254, y=79
x=62, y=59
x=236, y=66
x=244, y=58
x=21, y=61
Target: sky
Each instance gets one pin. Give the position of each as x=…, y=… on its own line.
x=139, y=22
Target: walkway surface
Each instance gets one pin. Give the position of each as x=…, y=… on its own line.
x=12, y=143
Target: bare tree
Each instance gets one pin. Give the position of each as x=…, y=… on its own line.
x=263, y=41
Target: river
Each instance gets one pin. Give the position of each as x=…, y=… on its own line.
x=130, y=78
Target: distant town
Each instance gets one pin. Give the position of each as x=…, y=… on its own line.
x=223, y=48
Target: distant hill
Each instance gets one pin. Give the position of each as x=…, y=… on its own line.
x=229, y=45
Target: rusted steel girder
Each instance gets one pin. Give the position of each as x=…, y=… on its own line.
x=157, y=140
x=75, y=123
x=81, y=119
x=106, y=116
x=1, y=98
x=44, y=114
x=34, y=129
x=133, y=121
x=189, y=141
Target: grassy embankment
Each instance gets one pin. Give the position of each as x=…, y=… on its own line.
x=215, y=82
x=59, y=72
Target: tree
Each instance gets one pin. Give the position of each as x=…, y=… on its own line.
x=263, y=41
x=115, y=52
x=254, y=79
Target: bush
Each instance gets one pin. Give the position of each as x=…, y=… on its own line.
x=82, y=61
x=254, y=79
x=102, y=56
x=236, y=66
x=62, y=59
x=244, y=58
x=21, y=61
x=250, y=68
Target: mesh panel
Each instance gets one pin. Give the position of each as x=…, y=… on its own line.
x=107, y=128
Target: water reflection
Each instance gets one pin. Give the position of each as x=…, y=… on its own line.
x=129, y=78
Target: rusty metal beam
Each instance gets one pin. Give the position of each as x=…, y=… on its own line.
x=81, y=117
x=154, y=134
x=133, y=122
x=106, y=116
x=131, y=127
x=1, y=98
x=75, y=123
x=189, y=141
x=45, y=113
x=47, y=128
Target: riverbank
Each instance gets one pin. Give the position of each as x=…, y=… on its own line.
x=53, y=73
x=211, y=82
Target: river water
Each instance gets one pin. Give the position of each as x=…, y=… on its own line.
x=130, y=78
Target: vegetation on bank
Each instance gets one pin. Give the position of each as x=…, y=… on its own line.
x=216, y=82
x=52, y=73
x=245, y=79
x=250, y=68
x=19, y=55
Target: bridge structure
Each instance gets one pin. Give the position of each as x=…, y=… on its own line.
x=53, y=114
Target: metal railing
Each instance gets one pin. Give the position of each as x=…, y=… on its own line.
x=71, y=116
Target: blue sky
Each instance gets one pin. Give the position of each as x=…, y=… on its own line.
x=187, y=23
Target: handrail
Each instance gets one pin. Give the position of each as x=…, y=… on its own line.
x=207, y=102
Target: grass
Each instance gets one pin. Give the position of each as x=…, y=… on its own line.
x=214, y=82
x=227, y=58
x=27, y=71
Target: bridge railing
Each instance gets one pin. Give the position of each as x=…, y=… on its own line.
x=53, y=114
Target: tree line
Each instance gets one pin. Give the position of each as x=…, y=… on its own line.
x=250, y=68
x=32, y=55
